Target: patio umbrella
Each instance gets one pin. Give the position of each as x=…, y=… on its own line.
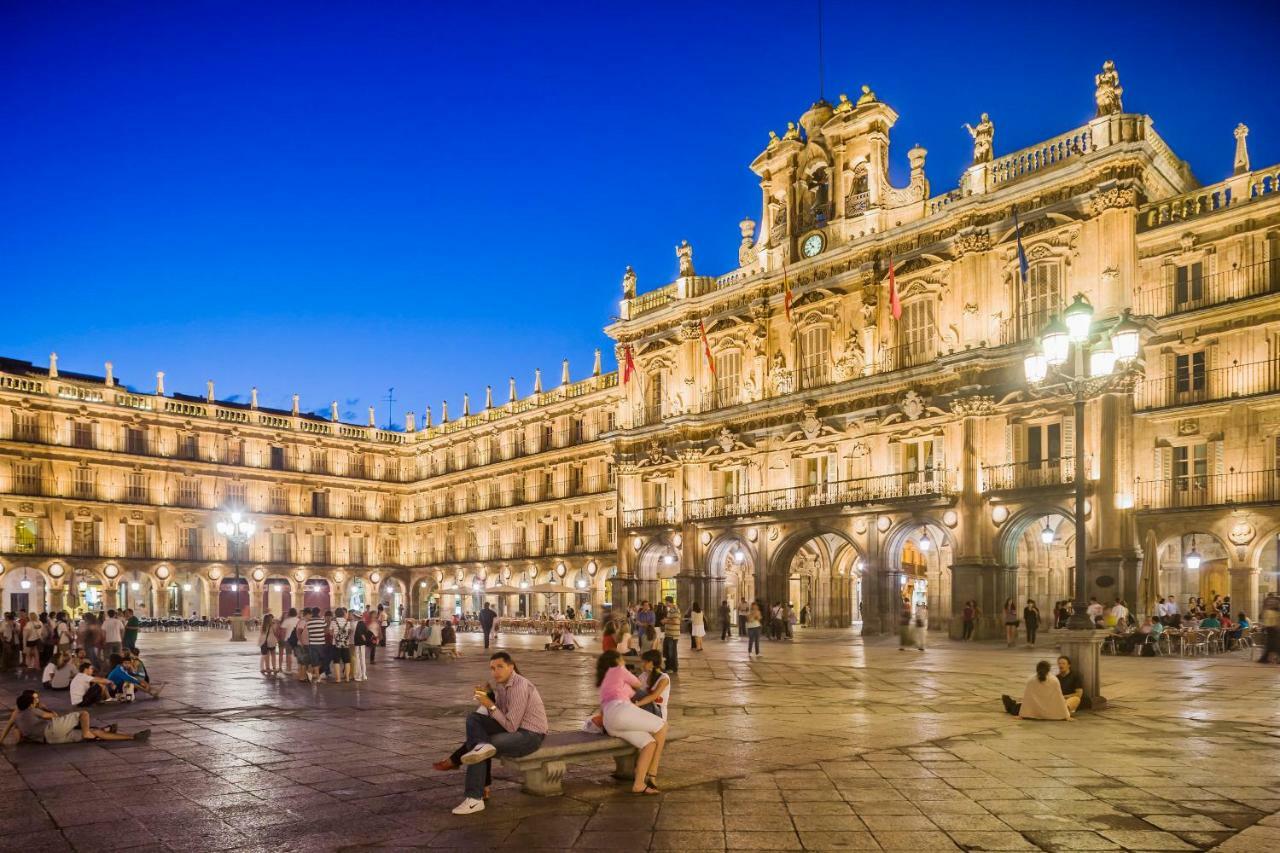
x=1146, y=603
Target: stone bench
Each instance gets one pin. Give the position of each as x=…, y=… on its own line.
x=543, y=771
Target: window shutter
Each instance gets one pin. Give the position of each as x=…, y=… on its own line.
x=1216, y=458
x=833, y=467
x=1013, y=440
x=939, y=455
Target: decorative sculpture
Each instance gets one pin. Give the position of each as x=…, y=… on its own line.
x=845, y=104
x=867, y=97
x=793, y=132
x=684, y=254
x=629, y=283
x=982, y=138
x=1108, y=92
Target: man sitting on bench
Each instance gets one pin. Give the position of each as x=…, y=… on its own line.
x=512, y=723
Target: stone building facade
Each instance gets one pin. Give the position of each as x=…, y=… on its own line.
x=842, y=422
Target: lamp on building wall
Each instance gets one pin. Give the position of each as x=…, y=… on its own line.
x=25, y=583
x=739, y=555
x=238, y=530
x=1193, y=558
x=926, y=544
x=1046, y=535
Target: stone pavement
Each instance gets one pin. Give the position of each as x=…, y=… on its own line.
x=827, y=742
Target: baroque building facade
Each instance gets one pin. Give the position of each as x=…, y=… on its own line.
x=842, y=422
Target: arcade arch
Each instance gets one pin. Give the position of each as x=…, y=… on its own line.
x=818, y=571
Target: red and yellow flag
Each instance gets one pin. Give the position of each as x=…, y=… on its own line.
x=786, y=291
x=628, y=364
x=895, y=304
x=706, y=347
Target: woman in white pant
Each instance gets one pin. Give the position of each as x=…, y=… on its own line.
x=643, y=730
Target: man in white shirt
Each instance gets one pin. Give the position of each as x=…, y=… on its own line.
x=1161, y=609
x=113, y=634
x=86, y=689
x=287, y=624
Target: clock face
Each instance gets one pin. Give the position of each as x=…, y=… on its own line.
x=812, y=245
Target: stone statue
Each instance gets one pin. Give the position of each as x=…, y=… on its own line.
x=845, y=105
x=629, y=283
x=982, y=136
x=781, y=378
x=793, y=132
x=867, y=97
x=1241, y=164
x=746, y=249
x=773, y=140
x=684, y=254
x=1108, y=90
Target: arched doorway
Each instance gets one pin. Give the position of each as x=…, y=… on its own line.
x=657, y=567
x=316, y=594
x=816, y=572
x=1193, y=565
x=357, y=595
x=1040, y=543
x=731, y=567
x=233, y=596
x=918, y=559
x=25, y=589
x=277, y=596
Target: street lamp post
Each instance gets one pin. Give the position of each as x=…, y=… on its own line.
x=238, y=530
x=1072, y=338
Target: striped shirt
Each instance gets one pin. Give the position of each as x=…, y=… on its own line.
x=520, y=706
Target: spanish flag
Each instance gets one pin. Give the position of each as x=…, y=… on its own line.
x=786, y=292
x=706, y=347
x=895, y=304
x=628, y=364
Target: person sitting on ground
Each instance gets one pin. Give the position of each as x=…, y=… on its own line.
x=609, y=639
x=58, y=674
x=568, y=642
x=35, y=724
x=126, y=680
x=514, y=723
x=88, y=689
x=554, y=645
x=408, y=645
x=1042, y=698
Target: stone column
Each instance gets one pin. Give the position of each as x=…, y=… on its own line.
x=1244, y=591
x=1084, y=648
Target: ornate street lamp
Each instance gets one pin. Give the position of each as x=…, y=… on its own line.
x=238, y=530
x=1193, y=558
x=1110, y=361
x=1046, y=535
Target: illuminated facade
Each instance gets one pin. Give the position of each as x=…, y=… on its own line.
x=828, y=453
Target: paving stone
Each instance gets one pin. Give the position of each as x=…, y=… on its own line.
x=925, y=760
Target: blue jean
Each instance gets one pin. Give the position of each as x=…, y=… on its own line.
x=514, y=744
x=753, y=640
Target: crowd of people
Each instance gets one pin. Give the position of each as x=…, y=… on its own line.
x=93, y=659
x=337, y=645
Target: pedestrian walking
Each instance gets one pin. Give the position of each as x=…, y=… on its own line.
x=487, y=618
x=1031, y=618
x=968, y=616
x=726, y=617
x=671, y=636
x=697, y=626
x=1010, y=622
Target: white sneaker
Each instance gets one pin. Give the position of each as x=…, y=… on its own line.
x=482, y=752
x=469, y=806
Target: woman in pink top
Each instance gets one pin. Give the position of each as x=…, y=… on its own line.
x=646, y=732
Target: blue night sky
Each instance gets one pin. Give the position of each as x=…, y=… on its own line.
x=333, y=198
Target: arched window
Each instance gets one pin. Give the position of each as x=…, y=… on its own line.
x=1039, y=299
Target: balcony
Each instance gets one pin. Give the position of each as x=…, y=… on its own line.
x=1206, y=291
x=1034, y=474
x=1235, y=381
x=651, y=516
x=1209, y=490
x=865, y=490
